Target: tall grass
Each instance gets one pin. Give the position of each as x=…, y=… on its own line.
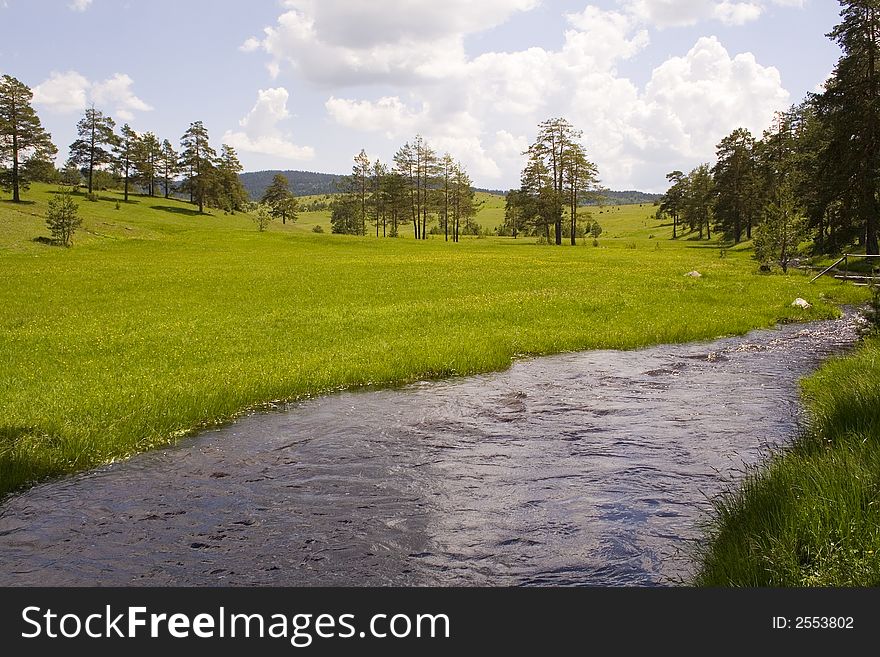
x=811, y=515
x=161, y=321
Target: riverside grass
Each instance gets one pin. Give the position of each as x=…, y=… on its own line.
x=810, y=516
x=161, y=321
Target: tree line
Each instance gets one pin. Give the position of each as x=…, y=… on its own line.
x=101, y=157
x=430, y=192
x=814, y=175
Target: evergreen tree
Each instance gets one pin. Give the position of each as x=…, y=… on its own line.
x=197, y=158
x=22, y=135
x=515, y=212
x=92, y=147
x=124, y=151
x=148, y=162
x=672, y=203
x=547, y=157
x=783, y=230
x=168, y=167
x=360, y=176
x=698, y=202
x=233, y=196
x=63, y=218
x=851, y=107
x=737, y=202
x=580, y=183
x=280, y=200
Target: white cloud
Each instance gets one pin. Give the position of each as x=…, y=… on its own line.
x=63, y=92
x=706, y=94
x=70, y=92
x=261, y=132
x=116, y=92
x=682, y=13
x=388, y=115
x=737, y=13
x=80, y=5
x=484, y=109
x=340, y=42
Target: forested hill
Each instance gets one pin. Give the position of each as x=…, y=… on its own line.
x=302, y=183
x=630, y=197
x=308, y=183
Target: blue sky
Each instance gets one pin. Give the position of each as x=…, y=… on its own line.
x=305, y=84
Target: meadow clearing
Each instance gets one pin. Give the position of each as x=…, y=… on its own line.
x=160, y=321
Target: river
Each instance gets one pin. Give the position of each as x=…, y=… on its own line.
x=591, y=468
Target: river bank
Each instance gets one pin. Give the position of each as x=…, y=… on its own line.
x=810, y=515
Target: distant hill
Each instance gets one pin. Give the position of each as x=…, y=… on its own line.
x=302, y=183
x=310, y=183
x=630, y=197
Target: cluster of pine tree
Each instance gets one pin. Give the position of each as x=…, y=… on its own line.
x=557, y=179
x=814, y=175
x=420, y=189
x=103, y=158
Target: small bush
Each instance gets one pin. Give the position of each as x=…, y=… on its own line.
x=117, y=205
x=595, y=242
x=92, y=197
x=318, y=229
x=263, y=217
x=63, y=218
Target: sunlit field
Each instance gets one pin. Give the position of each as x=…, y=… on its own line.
x=160, y=321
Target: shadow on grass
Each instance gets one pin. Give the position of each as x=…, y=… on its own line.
x=24, y=458
x=175, y=210
x=48, y=241
x=9, y=201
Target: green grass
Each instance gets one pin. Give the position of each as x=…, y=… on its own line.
x=811, y=515
x=161, y=321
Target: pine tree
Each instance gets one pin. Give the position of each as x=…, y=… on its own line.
x=147, y=158
x=197, y=159
x=92, y=148
x=672, y=203
x=233, y=196
x=851, y=107
x=280, y=200
x=168, y=166
x=360, y=174
x=63, y=218
x=21, y=133
x=737, y=202
x=124, y=151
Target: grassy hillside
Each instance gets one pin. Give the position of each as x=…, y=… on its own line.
x=160, y=320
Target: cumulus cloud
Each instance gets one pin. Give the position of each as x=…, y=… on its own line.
x=388, y=115
x=63, y=92
x=70, y=92
x=80, y=5
x=260, y=130
x=340, y=42
x=681, y=13
x=484, y=109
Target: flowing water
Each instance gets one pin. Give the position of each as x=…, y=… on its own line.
x=592, y=468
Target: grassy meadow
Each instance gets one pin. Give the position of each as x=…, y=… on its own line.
x=160, y=321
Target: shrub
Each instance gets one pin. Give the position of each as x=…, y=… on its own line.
x=318, y=229
x=63, y=218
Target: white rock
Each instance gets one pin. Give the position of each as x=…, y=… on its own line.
x=801, y=303
x=694, y=274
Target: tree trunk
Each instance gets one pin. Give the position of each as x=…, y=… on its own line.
x=16, y=194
